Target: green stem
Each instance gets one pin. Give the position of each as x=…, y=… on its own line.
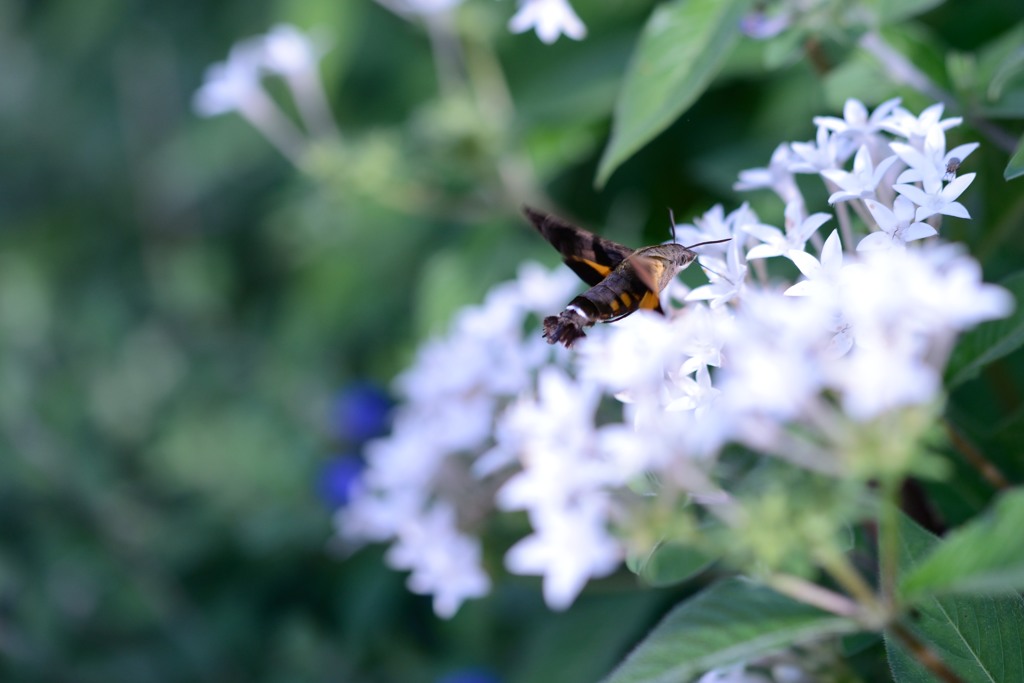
x=812, y=594
x=889, y=540
x=923, y=654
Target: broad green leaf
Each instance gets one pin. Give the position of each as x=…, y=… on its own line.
x=733, y=621
x=989, y=341
x=682, y=47
x=671, y=563
x=985, y=555
x=977, y=637
x=1015, y=168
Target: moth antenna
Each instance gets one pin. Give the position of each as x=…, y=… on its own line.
x=672, y=220
x=701, y=244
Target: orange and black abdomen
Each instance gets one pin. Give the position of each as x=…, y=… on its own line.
x=618, y=295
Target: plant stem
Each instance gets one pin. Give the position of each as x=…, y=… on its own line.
x=986, y=468
x=811, y=593
x=923, y=654
x=889, y=540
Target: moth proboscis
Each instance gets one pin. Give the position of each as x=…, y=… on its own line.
x=622, y=280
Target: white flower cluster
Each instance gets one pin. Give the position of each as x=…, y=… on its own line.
x=750, y=360
x=419, y=486
x=236, y=85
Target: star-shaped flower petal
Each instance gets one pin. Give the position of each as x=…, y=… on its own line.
x=916, y=128
x=727, y=278
x=856, y=128
x=821, y=275
x=775, y=243
x=862, y=181
x=896, y=227
x=930, y=165
x=815, y=157
x=941, y=202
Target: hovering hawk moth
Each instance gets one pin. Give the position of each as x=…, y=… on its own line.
x=622, y=280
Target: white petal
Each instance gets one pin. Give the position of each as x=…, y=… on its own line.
x=875, y=241
x=955, y=209
x=916, y=231
x=807, y=264
x=957, y=187
x=914, y=194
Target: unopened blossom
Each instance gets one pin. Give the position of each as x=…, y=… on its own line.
x=941, y=201
x=549, y=18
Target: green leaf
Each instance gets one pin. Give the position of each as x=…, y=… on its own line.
x=1015, y=168
x=682, y=47
x=990, y=340
x=671, y=563
x=889, y=11
x=977, y=637
x=733, y=621
x=985, y=555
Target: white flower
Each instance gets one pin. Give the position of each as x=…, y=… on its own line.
x=233, y=84
x=777, y=177
x=775, y=243
x=550, y=18
x=862, y=181
x=699, y=330
x=542, y=290
x=929, y=165
x=569, y=546
x=856, y=129
x=815, y=157
x=727, y=278
x=715, y=225
x=916, y=128
x=694, y=393
x=635, y=356
x=938, y=202
x=771, y=369
x=896, y=227
x=288, y=50
x=822, y=276
x=874, y=379
x=443, y=561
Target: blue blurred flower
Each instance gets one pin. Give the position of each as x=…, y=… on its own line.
x=336, y=479
x=470, y=676
x=359, y=413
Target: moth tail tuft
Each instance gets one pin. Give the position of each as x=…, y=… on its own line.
x=564, y=328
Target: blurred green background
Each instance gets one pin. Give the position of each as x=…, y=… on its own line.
x=190, y=326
